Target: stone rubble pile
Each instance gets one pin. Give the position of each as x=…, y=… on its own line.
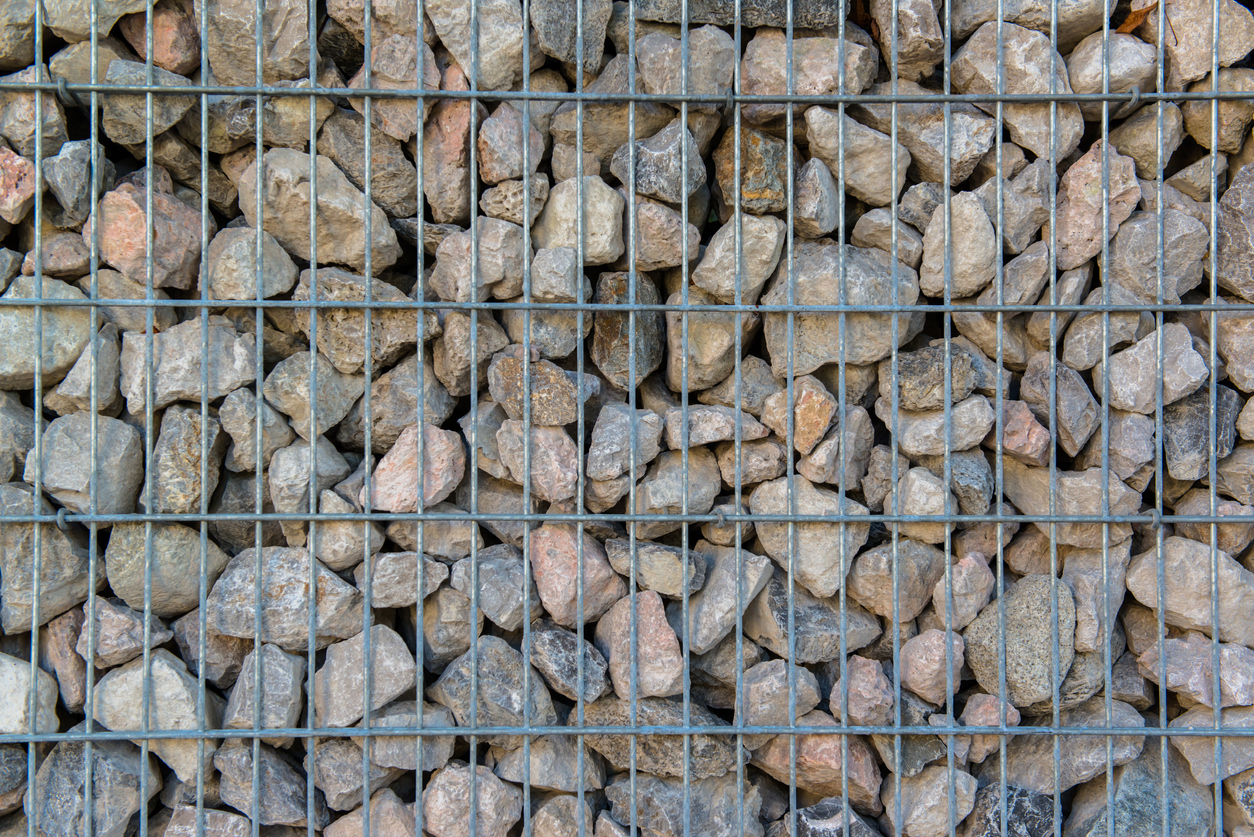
x=735, y=412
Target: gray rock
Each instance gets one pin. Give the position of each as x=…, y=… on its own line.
x=18, y=114
x=711, y=354
x=279, y=702
x=500, y=39
x=499, y=497
x=1139, y=801
x=709, y=754
x=916, y=568
x=499, y=697
x=282, y=800
x=555, y=652
x=807, y=13
x=336, y=767
x=449, y=627
x=184, y=823
x=59, y=797
x=921, y=378
x=176, y=363
x=553, y=763
x=817, y=336
x=501, y=578
x=231, y=264
x=670, y=487
x=284, y=588
x=611, y=452
x=75, y=390
x=1028, y=664
x=68, y=176
x=1187, y=441
x=66, y=467
x=613, y=340
x=66, y=332
x=17, y=36
x=1235, y=233
x=125, y=117
x=408, y=752
x=1131, y=63
x=341, y=334
x=17, y=434
x=816, y=209
x=224, y=655
x=338, y=686
x=446, y=540
x=238, y=416
x=712, y=53
x=1234, y=114
x=1137, y=137
x=664, y=569
x=63, y=564
x=1075, y=410
x=341, y=210
x=172, y=705
x=976, y=70
x=446, y=807
x=722, y=271
x=713, y=610
x=289, y=485
x=1028, y=813
x=288, y=387
x=117, y=635
x=1185, y=245
x=232, y=45
x=394, y=405
x=394, y=578
x=875, y=229
x=815, y=622
x=660, y=165
x=556, y=35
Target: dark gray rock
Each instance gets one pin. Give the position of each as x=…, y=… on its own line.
x=811, y=14
x=971, y=478
x=612, y=338
x=125, y=118
x=659, y=165
x=1028, y=813
x=282, y=800
x=58, y=799
x=393, y=178
x=552, y=23
x=917, y=751
x=500, y=684
x=502, y=578
x=1139, y=802
x=921, y=378
x=826, y=818
x=816, y=624
x=663, y=755
x=68, y=176
x=1187, y=443
x=553, y=653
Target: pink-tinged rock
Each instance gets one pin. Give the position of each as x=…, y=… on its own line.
x=870, y=693
x=175, y=36
x=659, y=658
x=1233, y=537
x=1022, y=436
x=1185, y=565
x=1238, y=751
x=446, y=150
x=813, y=410
x=973, y=587
x=17, y=186
x=123, y=237
x=394, y=66
x=819, y=759
x=394, y=485
x=985, y=711
x=554, y=459
x=1081, y=205
x=555, y=567
x=1190, y=669
x=925, y=810
x=923, y=665
x=64, y=254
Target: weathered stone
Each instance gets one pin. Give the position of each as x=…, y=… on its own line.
x=394, y=578
x=987, y=711
x=820, y=761
x=1234, y=114
x=918, y=568
x=671, y=486
x=615, y=349
x=658, y=567
x=18, y=114
x=923, y=665
x=284, y=589
x=1093, y=335
x=1189, y=666
x=977, y=69
x=278, y=703
x=449, y=627
x=341, y=210
x=814, y=622
x=173, y=706
x=177, y=466
x=763, y=173
x=231, y=264
x=15, y=719
x=336, y=768
x=775, y=694
x=641, y=649
x=396, y=62
x=238, y=416
x=499, y=497
x=722, y=272
x=973, y=264
x=288, y=388
x=816, y=200
x=232, y=43
x=1074, y=410
x=660, y=59
x=555, y=653
x=62, y=564
x=1186, y=566
x=661, y=163
x=404, y=752
x=1187, y=441
x=1081, y=209
x=507, y=200
x=611, y=452
x=125, y=117
x=389, y=817
x=282, y=800
x=925, y=807
x=1134, y=372
x=554, y=394
x=817, y=337
x=66, y=470
x=289, y=484
x=500, y=263
x=713, y=610
x=446, y=802
x=394, y=486
x=923, y=433
x=58, y=643
x=500, y=683
x=1137, y=136
x=394, y=405
x=338, y=685
x=1141, y=793
x=502, y=581
x=1028, y=664
x=176, y=364
x=875, y=229
x=224, y=655
x=1130, y=63
x=117, y=635
x=710, y=754
x=868, y=154
x=59, y=796
x=1200, y=752
x=555, y=564
x=74, y=393
x=711, y=346
x=1234, y=234
x=1028, y=813
x=123, y=238
x=66, y=332
x=1077, y=493
x=868, y=695
x=602, y=211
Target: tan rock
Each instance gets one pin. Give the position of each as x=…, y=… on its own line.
x=555, y=564
x=1186, y=569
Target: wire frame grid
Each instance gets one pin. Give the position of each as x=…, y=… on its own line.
x=204, y=734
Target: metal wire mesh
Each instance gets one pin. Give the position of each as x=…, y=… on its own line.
x=1153, y=521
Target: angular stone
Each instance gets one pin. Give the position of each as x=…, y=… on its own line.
x=66, y=470
x=713, y=610
x=1133, y=372
x=555, y=564
x=1028, y=813
x=671, y=486
x=657, y=668
x=238, y=416
x=1028, y=664
x=987, y=711
x=173, y=706
x=973, y=264
x=280, y=700
x=285, y=600
x=176, y=364
x=1234, y=114
x=613, y=341
x=814, y=621
x=1078, y=493
x=555, y=653
x=868, y=154
x=710, y=355
x=710, y=754
x=919, y=568
x=499, y=497
x=923, y=433
x=449, y=627
x=74, y=393
x=554, y=394
x=289, y=483
x=396, y=62
x=661, y=163
x=1137, y=136
x=336, y=767
x=59, y=796
x=287, y=387
x=501, y=259
x=176, y=466
x=820, y=761
x=123, y=238
x=869, y=695
x=286, y=208
x=338, y=685
x=118, y=635
x=18, y=113
x=611, y=451
x=499, y=695
x=395, y=482
x=923, y=667
x=602, y=210
x=722, y=272
x=282, y=800
x=123, y=116
x=403, y=752
x=66, y=333
x=15, y=719
x=976, y=69
x=224, y=655
x=1141, y=793
x=763, y=171
x=1187, y=441
x=1075, y=411
x=925, y=808
x=502, y=579
x=232, y=44
x=774, y=694
x=341, y=332
x=1186, y=565
x=394, y=578
x=1081, y=209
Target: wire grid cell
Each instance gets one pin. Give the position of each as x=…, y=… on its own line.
x=154, y=737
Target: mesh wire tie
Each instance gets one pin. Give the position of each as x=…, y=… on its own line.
x=1135, y=92
x=66, y=93
x=62, y=523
